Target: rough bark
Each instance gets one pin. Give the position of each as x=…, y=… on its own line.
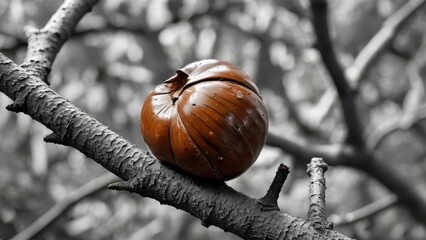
x=213, y=203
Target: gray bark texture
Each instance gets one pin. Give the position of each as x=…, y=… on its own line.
x=213, y=203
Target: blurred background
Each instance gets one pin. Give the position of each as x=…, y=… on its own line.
x=123, y=48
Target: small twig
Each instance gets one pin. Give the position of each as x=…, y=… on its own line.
x=344, y=90
x=270, y=200
x=54, y=138
x=122, y=186
x=367, y=211
x=415, y=94
x=417, y=87
x=56, y=211
x=17, y=106
x=316, y=213
x=375, y=46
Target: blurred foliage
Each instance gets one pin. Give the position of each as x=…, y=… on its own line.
x=123, y=48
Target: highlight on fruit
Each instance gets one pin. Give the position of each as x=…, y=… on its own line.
x=208, y=120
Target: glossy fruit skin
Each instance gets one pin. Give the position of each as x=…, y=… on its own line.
x=208, y=120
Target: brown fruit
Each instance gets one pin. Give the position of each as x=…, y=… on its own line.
x=208, y=120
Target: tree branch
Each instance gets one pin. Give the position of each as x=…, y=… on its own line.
x=361, y=159
x=413, y=112
x=381, y=40
x=377, y=44
x=44, y=44
x=344, y=90
x=316, y=213
x=270, y=200
x=407, y=194
x=302, y=150
x=367, y=211
x=213, y=203
x=55, y=212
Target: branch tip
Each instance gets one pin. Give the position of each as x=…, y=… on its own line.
x=316, y=213
x=119, y=186
x=316, y=163
x=54, y=138
x=269, y=202
x=15, y=107
x=329, y=226
x=205, y=223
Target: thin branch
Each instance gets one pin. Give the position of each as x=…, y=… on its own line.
x=386, y=128
x=316, y=213
x=323, y=107
x=53, y=138
x=392, y=179
x=58, y=209
x=417, y=91
x=412, y=112
x=302, y=150
x=270, y=200
x=366, y=212
x=358, y=159
x=17, y=106
x=381, y=40
x=344, y=90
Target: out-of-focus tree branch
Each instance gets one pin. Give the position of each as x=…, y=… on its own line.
x=213, y=203
x=365, y=212
x=346, y=95
x=359, y=157
x=381, y=40
x=377, y=44
x=413, y=112
x=404, y=122
x=69, y=201
x=302, y=150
